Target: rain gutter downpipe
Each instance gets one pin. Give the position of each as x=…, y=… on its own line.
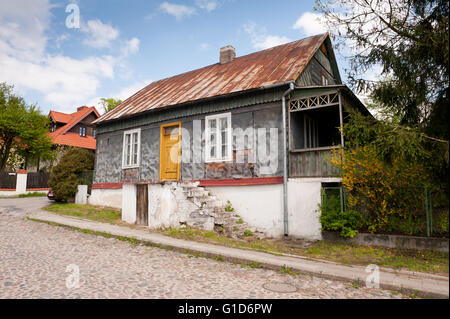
x=285, y=171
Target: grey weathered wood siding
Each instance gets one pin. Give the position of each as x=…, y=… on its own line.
x=311, y=164
x=262, y=116
x=311, y=75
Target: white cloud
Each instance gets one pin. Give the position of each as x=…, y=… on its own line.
x=64, y=82
x=179, y=11
x=22, y=26
x=260, y=39
x=270, y=41
x=100, y=35
x=204, y=46
x=130, y=47
x=127, y=92
x=310, y=24
x=60, y=39
x=208, y=5
x=123, y=94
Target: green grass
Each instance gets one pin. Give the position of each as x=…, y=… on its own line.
x=96, y=213
x=408, y=259
x=248, y=232
x=33, y=194
x=288, y=270
x=414, y=260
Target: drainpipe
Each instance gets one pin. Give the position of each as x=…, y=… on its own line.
x=285, y=170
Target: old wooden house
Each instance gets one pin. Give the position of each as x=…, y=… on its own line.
x=247, y=136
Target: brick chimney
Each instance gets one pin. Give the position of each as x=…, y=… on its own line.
x=227, y=54
x=81, y=108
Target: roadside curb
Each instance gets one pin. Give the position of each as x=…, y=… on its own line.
x=406, y=282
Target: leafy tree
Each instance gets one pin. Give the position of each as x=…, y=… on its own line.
x=66, y=175
x=385, y=170
x=409, y=40
x=23, y=129
x=109, y=104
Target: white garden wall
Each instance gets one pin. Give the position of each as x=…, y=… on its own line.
x=106, y=197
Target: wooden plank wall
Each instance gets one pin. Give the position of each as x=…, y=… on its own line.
x=311, y=164
x=142, y=204
x=7, y=181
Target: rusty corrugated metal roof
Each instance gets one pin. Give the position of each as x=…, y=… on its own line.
x=275, y=65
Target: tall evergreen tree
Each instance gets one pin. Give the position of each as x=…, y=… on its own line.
x=409, y=39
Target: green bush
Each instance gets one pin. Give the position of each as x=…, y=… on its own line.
x=347, y=222
x=64, y=177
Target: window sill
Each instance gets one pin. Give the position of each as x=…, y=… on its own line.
x=323, y=148
x=127, y=167
x=218, y=161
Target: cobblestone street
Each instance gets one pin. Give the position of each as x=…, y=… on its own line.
x=34, y=257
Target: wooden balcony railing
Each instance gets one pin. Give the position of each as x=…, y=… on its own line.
x=313, y=162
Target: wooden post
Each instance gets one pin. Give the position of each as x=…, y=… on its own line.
x=341, y=120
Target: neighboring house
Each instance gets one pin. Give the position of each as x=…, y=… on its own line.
x=66, y=130
x=222, y=127
x=74, y=129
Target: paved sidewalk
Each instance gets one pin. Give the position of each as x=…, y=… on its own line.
x=428, y=285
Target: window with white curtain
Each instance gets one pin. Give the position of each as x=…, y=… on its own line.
x=131, y=148
x=218, y=138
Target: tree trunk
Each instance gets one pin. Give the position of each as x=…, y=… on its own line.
x=4, y=153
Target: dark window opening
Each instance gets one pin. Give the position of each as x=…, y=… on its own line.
x=314, y=128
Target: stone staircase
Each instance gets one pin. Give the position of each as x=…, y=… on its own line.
x=206, y=211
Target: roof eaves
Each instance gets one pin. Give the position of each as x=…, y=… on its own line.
x=212, y=98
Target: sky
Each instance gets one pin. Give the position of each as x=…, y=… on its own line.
x=64, y=54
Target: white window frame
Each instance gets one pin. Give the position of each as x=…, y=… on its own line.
x=219, y=157
x=131, y=132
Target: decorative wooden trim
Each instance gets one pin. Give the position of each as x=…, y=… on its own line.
x=107, y=186
x=241, y=181
x=314, y=102
x=38, y=189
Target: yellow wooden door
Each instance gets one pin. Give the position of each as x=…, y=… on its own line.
x=169, y=155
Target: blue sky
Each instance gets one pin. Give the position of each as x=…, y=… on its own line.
x=121, y=46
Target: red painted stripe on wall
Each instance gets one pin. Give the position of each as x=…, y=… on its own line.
x=38, y=189
x=207, y=182
x=107, y=186
x=7, y=189
x=241, y=181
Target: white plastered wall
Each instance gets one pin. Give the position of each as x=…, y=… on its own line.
x=129, y=203
x=21, y=183
x=303, y=205
x=106, y=197
x=260, y=206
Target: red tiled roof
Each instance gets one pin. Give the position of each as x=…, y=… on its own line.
x=74, y=139
x=60, y=117
x=276, y=65
x=63, y=137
